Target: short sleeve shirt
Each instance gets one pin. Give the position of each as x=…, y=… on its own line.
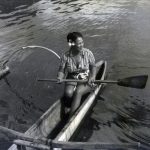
x=67, y=61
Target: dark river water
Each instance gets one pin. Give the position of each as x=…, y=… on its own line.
x=117, y=31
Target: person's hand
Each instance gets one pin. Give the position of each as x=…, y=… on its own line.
x=60, y=77
x=59, y=80
x=91, y=81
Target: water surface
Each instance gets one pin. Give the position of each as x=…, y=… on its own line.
x=116, y=31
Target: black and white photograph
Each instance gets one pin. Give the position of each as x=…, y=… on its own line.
x=74, y=74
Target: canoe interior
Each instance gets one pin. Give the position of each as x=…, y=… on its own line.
x=59, y=122
x=100, y=72
x=73, y=124
x=101, y=66
x=51, y=122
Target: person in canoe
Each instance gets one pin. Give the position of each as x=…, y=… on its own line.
x=77, y=63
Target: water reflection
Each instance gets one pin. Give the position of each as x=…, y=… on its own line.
x=113, y=123
x=13, y=5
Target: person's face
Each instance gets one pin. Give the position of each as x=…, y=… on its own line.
x=79, y=43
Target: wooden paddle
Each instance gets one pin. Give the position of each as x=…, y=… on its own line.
x=133, y=82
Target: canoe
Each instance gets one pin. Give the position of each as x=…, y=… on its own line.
x=51, y=125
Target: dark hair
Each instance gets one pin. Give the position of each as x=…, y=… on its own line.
x=73, y=36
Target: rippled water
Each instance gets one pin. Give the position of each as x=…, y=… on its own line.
x=115, y=30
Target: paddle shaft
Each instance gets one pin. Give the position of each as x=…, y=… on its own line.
x=79, y=81
x=134, y=81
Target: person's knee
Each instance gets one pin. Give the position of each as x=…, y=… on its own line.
x=79, y=91
x=69, y=93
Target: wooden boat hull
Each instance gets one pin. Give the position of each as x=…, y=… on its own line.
x=46, y=126
x=76, y=119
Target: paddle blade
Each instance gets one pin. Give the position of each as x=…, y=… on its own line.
x=134, y=82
